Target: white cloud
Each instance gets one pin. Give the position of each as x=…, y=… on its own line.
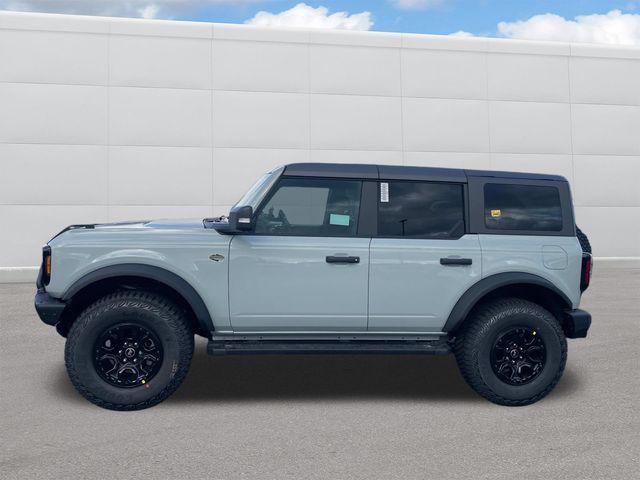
x=302, y=15
x=461, y=33
x=150, y=11
x=614, y=27
x=416, y=4
x=117, y=8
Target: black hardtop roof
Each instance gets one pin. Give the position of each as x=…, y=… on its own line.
x=398, y=172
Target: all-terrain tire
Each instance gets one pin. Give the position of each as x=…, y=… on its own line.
x=474, y=344
x=150, y=311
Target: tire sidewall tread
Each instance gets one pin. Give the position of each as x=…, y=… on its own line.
x=148, y=309
x=473, y=345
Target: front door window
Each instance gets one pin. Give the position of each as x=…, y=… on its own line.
x=311, y=207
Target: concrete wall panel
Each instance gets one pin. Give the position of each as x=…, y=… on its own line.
x=260, y=66
x=141, y=61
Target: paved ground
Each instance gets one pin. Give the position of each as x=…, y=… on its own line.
x=329, y=417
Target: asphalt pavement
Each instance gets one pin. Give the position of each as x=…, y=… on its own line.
x=329, y=417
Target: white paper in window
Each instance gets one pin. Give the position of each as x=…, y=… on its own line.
x=384, y=192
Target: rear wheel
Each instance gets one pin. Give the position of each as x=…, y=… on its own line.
x=129, y=350
x=512, y=352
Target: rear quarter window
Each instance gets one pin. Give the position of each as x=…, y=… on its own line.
x=522, y=207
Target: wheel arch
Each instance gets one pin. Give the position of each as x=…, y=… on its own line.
x=514, y=284
x=97, y=283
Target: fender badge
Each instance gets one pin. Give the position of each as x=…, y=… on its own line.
x=216, y=257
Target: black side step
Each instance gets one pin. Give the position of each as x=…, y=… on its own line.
x=280, y=347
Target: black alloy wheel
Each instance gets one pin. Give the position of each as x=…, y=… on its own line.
x=518, y=356
x=127, y=355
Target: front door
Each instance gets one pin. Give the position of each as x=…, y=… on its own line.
x=303, y=268
x=421, y=260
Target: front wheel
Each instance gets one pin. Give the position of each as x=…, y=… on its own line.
x=129, y=350
x=512, y=352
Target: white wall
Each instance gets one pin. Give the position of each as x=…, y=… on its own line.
x=110, y=119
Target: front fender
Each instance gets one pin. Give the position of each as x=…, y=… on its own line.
x=158, y=274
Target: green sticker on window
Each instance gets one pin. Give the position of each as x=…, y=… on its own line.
x=335, y=219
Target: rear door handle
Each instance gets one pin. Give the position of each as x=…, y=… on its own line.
x=342, y=259
x=455, y=261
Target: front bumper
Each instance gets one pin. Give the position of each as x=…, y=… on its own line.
x=49, y=309
x=577, y=323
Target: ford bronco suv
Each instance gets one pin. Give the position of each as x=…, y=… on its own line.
x=329, y=258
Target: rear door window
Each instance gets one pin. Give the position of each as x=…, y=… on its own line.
x=522, y=207
x=420, y=210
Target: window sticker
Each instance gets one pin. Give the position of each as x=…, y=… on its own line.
x=384, y=192
x=496, y=213
x=342, y=220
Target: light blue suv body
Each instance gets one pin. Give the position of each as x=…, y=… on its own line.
x=331, y=257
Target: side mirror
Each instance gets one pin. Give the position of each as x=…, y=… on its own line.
x=243, y=218
x=240, y=220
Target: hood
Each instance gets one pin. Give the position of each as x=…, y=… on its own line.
x=176, y=224
x=168, y=224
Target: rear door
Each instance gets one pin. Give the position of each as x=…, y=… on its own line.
x=421, y=260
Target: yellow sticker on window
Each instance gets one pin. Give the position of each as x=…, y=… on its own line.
x=496, y=213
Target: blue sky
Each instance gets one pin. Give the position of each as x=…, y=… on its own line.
x=476, y=16
x=596, y=21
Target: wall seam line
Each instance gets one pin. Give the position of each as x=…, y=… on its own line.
x=350, y=94
x=359, y=149
x=402, y=130
x=486, y=73
x=573, y=163
x=309, y=143
x=108, y=121
x=211, y=91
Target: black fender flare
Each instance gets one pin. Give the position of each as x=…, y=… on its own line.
x=478, y=290
x=150, y=272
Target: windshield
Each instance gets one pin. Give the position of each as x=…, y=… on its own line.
x=255, y=194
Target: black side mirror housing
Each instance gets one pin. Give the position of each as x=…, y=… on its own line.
x=240, y=220
x=242, y=217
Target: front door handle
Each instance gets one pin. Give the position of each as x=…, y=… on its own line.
x=342, y=259
x=455, y=261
